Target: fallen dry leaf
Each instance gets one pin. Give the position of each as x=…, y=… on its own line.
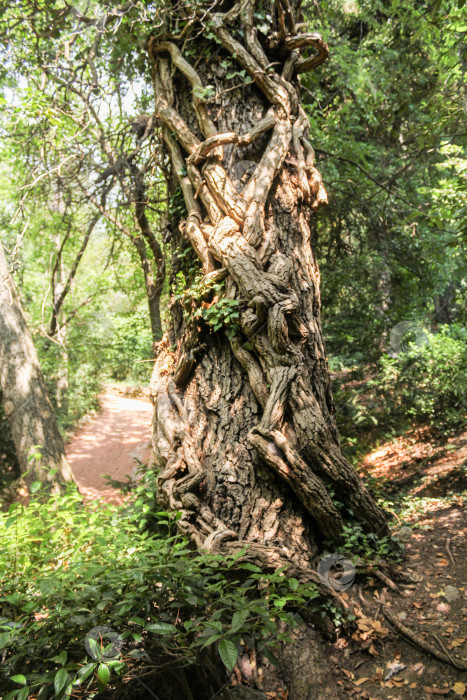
x=457, y=642
x=443, y=607
x=436, y=691
x=361, y=681
x=458, y=688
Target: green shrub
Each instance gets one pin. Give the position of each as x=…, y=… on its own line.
x=72, y=567
x=425, y=385
x=428, y=384
x=127, y=344
x=83, y=372
x=115, y=346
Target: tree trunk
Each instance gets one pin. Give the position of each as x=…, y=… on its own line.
x=153, y=288
x=39, y=445
x=155, y=275
x=244, y=426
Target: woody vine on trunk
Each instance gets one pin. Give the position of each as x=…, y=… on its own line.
x=244, y=427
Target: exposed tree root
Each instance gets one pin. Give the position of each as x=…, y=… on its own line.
x=418, y=641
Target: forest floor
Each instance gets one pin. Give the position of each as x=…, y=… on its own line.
x=113, y=442
x=428, y=480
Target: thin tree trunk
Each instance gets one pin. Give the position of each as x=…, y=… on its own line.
x=61, y=289
x=153, y=269
x=25, y=399
x=153, y=288
x=155, y=277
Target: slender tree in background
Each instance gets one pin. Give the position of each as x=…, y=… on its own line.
x=39, y=445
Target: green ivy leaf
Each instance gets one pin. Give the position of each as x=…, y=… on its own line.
x=161, y=628
x=103, y=674
x=60, y=658
x=238, y=619
x=60, y=681
x=270, y=656
x=211, y=640
x=84, y=673
x=251, y=567
x=12, y=694
x=19, y=679
x=228, y=653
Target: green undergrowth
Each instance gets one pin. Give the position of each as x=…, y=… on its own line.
x=91, y=592
x=423, y=385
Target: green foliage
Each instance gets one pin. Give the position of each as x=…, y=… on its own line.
x=368, y=547
x=428, y=384
x=129, y=344
x=385, y=111
x=224, y=313
x=71, y=567
x=219, y=312
x=115, y=346
x=364, y=547
x=423, y=385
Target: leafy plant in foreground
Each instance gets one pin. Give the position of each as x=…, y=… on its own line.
x=72, y=567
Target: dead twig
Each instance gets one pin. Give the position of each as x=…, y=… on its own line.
x=435, y=636
x=386, y=580
x=448, y=550
x=360, y=663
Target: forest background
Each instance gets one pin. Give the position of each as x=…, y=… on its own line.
x=84, y=214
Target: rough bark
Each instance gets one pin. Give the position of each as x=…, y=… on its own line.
x=301, y=664
x=25, y=399
x=244, y=426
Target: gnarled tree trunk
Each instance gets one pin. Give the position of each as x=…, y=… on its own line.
x=244, y=428
x=25, y=399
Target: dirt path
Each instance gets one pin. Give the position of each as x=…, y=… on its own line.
x=109, y=444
